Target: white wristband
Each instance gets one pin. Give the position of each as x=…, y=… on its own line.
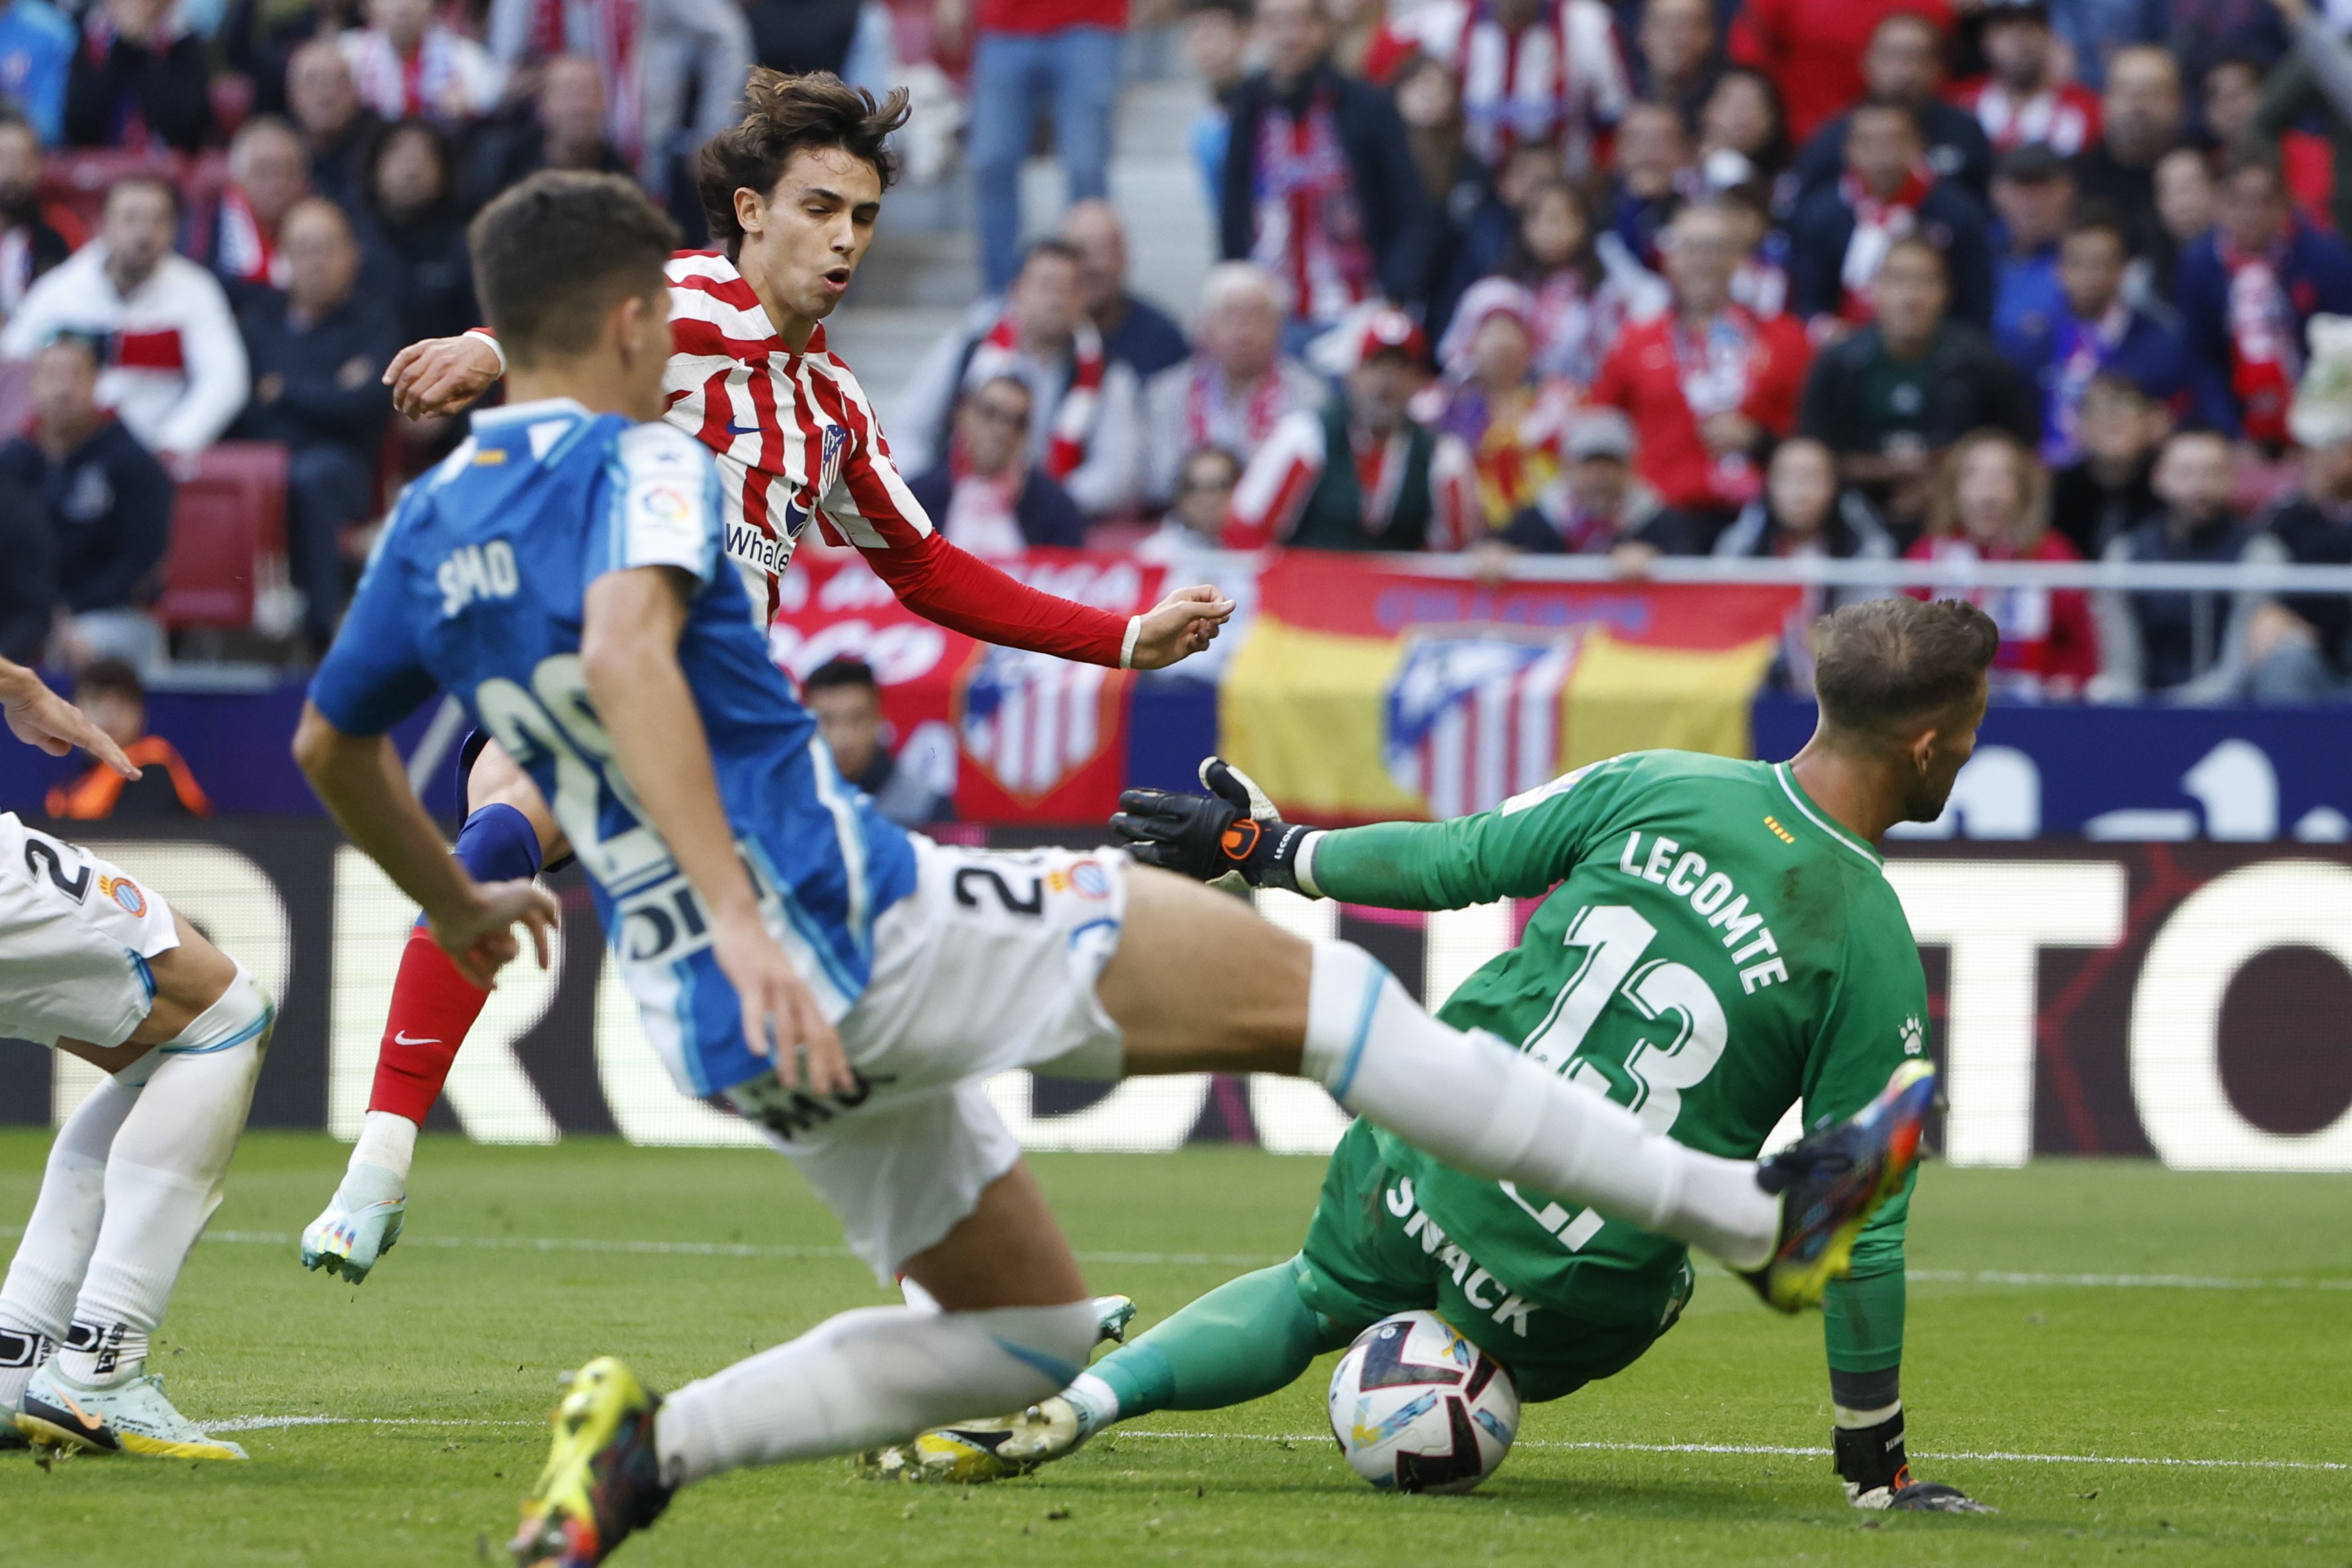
x=1302, y=865
x=487, y=336
x=1127, y=649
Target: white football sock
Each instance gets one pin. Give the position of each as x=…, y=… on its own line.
x=36, y=1303
x=1484, y=1108
x=1096, y=1401
x=878, y=1375
x=163, y=1180
x=387, y=1140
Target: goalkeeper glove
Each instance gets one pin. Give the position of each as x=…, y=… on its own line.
x=1871, y=1463
x=1232, y=835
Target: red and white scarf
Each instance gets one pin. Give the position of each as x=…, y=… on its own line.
x=429, y=82
x=1214, y=417
x=244, y=251
x=1716, y=375
x=1311, y=231
x=1073, y=424
x=2013, y=122
x=2266, y=348
x=1515, y=86
x=1877, y=224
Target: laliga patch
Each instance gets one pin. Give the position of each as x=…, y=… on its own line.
x=124, y=891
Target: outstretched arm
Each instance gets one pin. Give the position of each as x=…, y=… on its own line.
x=40, y=718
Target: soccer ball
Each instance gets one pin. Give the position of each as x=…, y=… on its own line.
x=1417, y=1407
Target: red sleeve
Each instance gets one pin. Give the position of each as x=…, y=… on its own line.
x=963, y=593
x=1611, y=385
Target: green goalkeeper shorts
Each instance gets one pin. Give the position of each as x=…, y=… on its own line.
x=1372, y=1249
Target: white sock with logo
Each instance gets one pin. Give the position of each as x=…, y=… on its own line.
x=875, y=1376
x=36, y=1303
x=163, y=1180
x=1484, y=1108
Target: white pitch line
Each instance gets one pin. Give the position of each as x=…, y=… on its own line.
x=1775, y=1450
x=1995, y=1277
x=1755, y=1450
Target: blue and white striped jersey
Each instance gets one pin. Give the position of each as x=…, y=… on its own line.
x=478, y=589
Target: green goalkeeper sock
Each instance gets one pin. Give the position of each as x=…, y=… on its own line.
x=1247, y=1338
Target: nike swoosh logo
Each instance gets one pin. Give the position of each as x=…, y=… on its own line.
x=734, y=429
x=401, y=1038
x=89, y=1421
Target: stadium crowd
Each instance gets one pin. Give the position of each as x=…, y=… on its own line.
x=2005, y=280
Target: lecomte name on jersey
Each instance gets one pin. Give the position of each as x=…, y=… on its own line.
x=1711, y=894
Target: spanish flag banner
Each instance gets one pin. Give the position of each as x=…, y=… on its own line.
x=1367, y=690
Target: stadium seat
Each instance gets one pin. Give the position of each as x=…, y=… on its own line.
x=228, y=536
x=79, y=177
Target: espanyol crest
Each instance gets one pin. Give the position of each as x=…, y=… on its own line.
x=1029, y=721
x=1468, y=722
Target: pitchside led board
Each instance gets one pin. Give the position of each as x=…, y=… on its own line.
x=2189, y=1000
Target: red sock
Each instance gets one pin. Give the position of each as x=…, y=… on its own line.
x=433, y=1006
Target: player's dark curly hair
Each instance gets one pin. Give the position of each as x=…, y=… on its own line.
x=553, y=254
x=787, y=114
x=1889, y=663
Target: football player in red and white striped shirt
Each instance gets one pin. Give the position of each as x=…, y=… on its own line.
x=793, y=191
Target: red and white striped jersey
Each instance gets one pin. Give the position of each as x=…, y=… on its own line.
x=795, y=439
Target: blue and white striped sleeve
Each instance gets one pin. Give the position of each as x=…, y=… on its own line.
x=662, y=503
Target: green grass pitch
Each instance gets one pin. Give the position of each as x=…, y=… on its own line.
x=439, y=1370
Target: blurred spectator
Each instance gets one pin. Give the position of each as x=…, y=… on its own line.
x=2139, y=122
x=2314, y=85
x=137, y=80
x=2094, y=30
x=109, y=507
x=2299, y=646
x=260, y=38
x=37, y=51
x=268, y=173
x=404, y=63
x=1135, y=332
x=795, y=36
x=1489, y=402
x=1805, y=513
x=337, y=129
x=1581, y=302
x=1321, y=188
x=1233, y=389
x=2096, y=332
x=565, y=130
x=1742, y=118
x=2183, y=646
x=988, y=497
x=1815, y=53
x=2205, y=32
x=175, y=368
x=1710, y=384
x=1597, y=505
x=1363, y=474
x=672, y=70
x=28, y=589
x=110, y=693
x=1680, y=55
x=1653, y=176
x=2186, y=206
x=2106, y=490
x=2023, y=100
x=1762, y=281
x=1904, y=65
x=319, y=352
x=1216, y=46
x=34, y=235
x=1840, y=236
x=1362, y=43
x=1197, y=510
x=1992, y=503
x=1891, y=398
x=2031, y=195
x=2247, y=290
x=2230, y=97
x=848, y=701
x=1086, y=435
x=1548, y=72
x=1472, y=224
x=1029, y=55
x=411, y=233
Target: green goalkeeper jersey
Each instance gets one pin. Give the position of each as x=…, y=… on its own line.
x=1716, y=949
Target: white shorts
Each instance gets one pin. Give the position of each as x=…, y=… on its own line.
x=74, y=937
x=989, y=965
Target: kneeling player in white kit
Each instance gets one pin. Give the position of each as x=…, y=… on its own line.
x=98, y=965
x=843, y=983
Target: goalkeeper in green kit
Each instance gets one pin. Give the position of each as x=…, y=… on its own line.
x=1720, y=944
